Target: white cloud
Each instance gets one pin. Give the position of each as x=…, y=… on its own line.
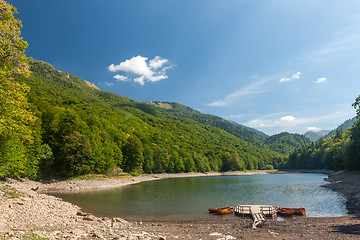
x=277, y=122
x=254, y=88
x=288, y=118
x=120, y=77
x=109, y=84
x=293, y=77
x=142, y=69
x=313, y=128
x=157, y=62
x=140, y=80
x=320, y=80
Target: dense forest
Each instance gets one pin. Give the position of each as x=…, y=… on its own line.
x=54, y=124
x=341, y=151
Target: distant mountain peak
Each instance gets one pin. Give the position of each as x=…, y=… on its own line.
x=316, y=135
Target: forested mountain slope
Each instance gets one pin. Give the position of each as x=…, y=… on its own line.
x=316, y=135
x=342, y=127
x=82, y=129
x=282, y=143
x=285, y=142
x=341, y=151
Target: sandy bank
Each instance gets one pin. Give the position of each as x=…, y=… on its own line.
x=34, y=215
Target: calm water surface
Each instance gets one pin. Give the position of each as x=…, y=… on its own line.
x=190, y=198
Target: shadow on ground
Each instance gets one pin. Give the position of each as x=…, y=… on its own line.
x=348, y=229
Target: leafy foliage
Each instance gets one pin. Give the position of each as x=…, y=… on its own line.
x=90, y=131
x=19, y=139
x=53, y=124
x=341, y=151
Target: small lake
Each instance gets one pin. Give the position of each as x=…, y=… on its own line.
x=190, y=198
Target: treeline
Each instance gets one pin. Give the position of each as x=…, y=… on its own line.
x=80, y=130
x=52, y=124
x=341, y=151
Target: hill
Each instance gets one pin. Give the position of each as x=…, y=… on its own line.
x=285, y=142
x=341, y=151
x=282, y=143
x=342, y=127
x=81, y=129
x=316, y=135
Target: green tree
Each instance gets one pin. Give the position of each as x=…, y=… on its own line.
x=16, y=118
x=149, y=164
x=76, y=154
x=132, y=154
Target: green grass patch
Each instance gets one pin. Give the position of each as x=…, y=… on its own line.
x=10, y=192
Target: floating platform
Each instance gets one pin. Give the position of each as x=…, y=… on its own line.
x=257, y=212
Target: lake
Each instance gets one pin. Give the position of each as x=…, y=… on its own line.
x=190, y=198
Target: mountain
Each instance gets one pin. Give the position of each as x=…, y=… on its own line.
x=81, y=129
x=341, y=151
x=347, y=124
x=241, y=131
x=285, y=142
x=316, y=135
x=282, y=143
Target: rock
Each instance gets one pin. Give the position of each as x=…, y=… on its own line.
x=215, y=234
x=78, y=232
x=35, y=188
x=79, y=213
x=120, y=220
x=88, y=219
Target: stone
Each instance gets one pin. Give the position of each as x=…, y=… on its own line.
x=88, y=219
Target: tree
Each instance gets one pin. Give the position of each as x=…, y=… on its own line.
x=149, y=164
x=356, y=105
x=12, y=46
x=133, y=154
x=77, y=153
x=16, y=118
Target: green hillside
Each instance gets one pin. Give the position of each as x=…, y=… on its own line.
x=282, y=143
x=285, y=142
x=54, y=124
x=83, y=130
x=341, y=151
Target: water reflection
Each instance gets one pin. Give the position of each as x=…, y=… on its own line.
x=189, y=198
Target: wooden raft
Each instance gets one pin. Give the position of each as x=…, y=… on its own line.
x=257, y=212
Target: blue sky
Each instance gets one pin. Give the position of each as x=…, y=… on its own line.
x=271, y=65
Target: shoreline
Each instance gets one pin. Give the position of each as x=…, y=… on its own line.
x=33, y=213
x=103, y=184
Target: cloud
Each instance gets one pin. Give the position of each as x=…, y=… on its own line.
x=109, y=84
x=138, y=69
x=140, y=80
x=254, y=88
x=320, y=80
x=120, y=77
x=288, y=118
x=277, y=122
x=313, y=128
x=293, y=77
x=157, y=62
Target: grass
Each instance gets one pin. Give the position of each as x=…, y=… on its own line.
x=21, y=236
x=9, y=192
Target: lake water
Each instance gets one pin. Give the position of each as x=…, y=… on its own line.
x=190, y=198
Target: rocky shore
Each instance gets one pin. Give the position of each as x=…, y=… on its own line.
x=27, y=213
